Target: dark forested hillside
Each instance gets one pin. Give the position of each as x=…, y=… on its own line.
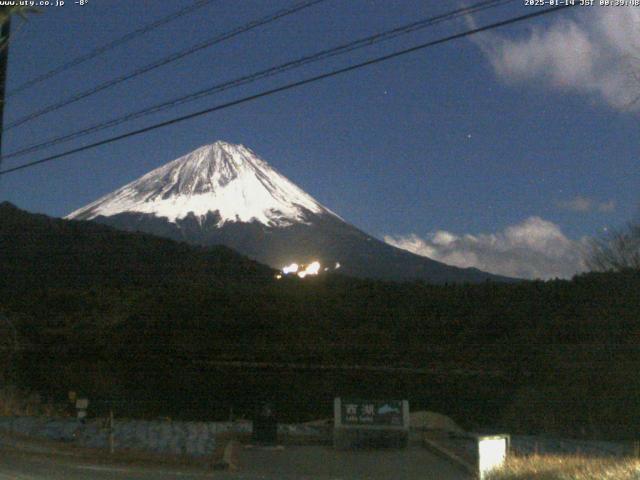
x=155, y=328
x=38, y=250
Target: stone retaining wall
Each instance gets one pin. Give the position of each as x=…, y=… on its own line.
x=178, y=438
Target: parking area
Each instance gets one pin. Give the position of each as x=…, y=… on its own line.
x=323, y=462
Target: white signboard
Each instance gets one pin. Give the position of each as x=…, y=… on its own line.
x=492, y=452
x=371, y=414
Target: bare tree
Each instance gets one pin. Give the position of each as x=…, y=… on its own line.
x=5, y=14
x=619, y=250
x=23, y=11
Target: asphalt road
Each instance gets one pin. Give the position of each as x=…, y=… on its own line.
x=325, y=463
x=15, y=465
x=303, y=463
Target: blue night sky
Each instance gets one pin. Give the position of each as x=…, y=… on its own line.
x=481, y=145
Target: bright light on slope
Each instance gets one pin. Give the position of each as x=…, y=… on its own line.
x=312, y=269
x=293, y=268
x=302, y=271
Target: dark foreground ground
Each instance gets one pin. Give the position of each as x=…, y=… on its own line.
x=326, y=463
x=19, y=461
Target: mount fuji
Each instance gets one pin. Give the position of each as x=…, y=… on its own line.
x=225, y=194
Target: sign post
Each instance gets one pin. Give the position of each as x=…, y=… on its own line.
x=492, y=452
x=81, y=406
x=370, y=423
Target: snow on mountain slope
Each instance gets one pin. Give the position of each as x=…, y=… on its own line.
x=222, y=177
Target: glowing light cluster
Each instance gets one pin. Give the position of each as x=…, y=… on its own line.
x=304, y=270
x=312, y=269
x=293, y=268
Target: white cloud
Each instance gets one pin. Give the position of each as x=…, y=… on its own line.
x=577, y=204
x=585, y=204
x=609, y=206
x=597, y=54
x=534, y=248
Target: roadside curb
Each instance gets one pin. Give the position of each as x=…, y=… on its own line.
x=43, y=447
x=449, y=455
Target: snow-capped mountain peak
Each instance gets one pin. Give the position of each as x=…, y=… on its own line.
x=221, y=178
x=224, y=194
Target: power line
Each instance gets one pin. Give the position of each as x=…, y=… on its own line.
x=318, y=56
x=166, y=60
x=356, y=368
x=5, y=33
x=109, y=46
x=290, y=86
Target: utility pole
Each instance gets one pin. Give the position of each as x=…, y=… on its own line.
x=111, y=435
x=4, y=60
